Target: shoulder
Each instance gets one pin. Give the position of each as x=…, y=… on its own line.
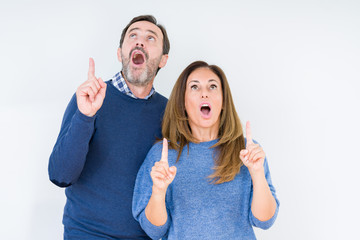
x=110, y=88
x=109, y=83
x=73, y=102
x=160, y=98
x=154, y=153
x=71, y=108
x=157, y=147
x=256, y=142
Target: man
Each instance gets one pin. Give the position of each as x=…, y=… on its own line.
x=106, y=133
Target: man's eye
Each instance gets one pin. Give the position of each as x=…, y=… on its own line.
x=151, y=38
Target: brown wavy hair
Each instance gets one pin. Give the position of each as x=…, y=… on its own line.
x=176, y=128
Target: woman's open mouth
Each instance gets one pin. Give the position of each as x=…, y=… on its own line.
x=205, y=110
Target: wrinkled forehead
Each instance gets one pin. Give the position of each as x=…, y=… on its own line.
x=145, y=26
x=203, y=74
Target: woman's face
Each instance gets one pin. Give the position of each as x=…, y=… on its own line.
x=203, y=99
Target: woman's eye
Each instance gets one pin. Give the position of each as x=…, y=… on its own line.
x=213, y=86
x=194, y=87
x=132, y=35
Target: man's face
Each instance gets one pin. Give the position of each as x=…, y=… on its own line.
x=141, y=53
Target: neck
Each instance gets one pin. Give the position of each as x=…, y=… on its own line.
x=205, y=134
x=139, y=91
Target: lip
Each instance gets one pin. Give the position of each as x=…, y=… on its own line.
x=136, y=51
x=201, y=113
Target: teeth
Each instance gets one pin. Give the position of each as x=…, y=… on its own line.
x=205, y=105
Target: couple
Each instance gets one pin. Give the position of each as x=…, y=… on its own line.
x=220, y=182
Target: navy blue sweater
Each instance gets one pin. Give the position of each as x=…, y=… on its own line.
x=97, y=159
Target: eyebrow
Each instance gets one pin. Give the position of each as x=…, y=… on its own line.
x=149, y=30
x=212, y=80
x=197, y=81
x=191, y=81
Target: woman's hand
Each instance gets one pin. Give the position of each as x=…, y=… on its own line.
x=161, y=174
x=263, y=205
x=253, y=156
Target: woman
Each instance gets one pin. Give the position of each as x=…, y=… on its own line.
x=220, y=184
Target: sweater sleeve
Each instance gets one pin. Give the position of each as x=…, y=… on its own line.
x=69, y=153
x=142, y=194
x=253, y=220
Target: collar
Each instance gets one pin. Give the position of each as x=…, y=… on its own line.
x=119, y=82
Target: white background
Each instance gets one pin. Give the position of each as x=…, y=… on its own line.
x=294, y=71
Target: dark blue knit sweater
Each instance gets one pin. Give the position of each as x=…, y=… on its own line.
x=97, y=159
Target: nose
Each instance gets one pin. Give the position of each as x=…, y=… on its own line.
x=139, y=44
x=204, y=94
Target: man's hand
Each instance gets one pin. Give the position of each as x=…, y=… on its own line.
x=90, y=95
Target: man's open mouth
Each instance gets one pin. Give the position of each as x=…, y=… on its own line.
x=138, y=56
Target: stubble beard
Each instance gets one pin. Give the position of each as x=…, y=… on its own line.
x=138, y=77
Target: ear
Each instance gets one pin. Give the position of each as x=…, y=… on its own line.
x=163, y=60
x=119, y=55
